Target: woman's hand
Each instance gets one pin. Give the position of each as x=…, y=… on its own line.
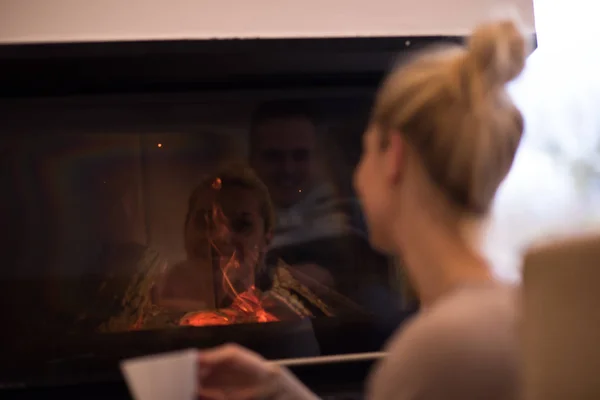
x=235, y=373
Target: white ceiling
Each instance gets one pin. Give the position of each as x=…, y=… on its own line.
x=43, y=21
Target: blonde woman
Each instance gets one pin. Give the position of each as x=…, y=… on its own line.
x=442, y=137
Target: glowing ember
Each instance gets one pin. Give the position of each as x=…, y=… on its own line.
x=246, y=308
x=217, y=184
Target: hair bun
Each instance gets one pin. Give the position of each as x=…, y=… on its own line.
x=498, y=51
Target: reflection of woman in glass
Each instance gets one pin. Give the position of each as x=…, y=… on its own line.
x=228, y=229
x=442, y=137
x=228, y=221
x=224, y=279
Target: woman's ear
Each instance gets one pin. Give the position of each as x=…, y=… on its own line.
x=394, y=158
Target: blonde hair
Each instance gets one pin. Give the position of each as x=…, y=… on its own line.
x=452, y=107
x=232, y=174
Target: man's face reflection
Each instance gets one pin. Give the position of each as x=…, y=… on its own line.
x=227, y=223
x=283, y=156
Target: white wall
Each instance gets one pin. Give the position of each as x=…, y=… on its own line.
x=564, y=24
x=553, y=189
x=23, y=21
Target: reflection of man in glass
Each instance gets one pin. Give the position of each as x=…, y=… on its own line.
x=315, y=226
x=283, y=151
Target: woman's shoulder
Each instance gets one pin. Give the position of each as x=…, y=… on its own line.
x=441, y=351
x=466, y=318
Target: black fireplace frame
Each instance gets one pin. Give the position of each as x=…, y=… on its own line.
x=185, y=66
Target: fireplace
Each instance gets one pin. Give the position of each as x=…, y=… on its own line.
x=162, y=195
